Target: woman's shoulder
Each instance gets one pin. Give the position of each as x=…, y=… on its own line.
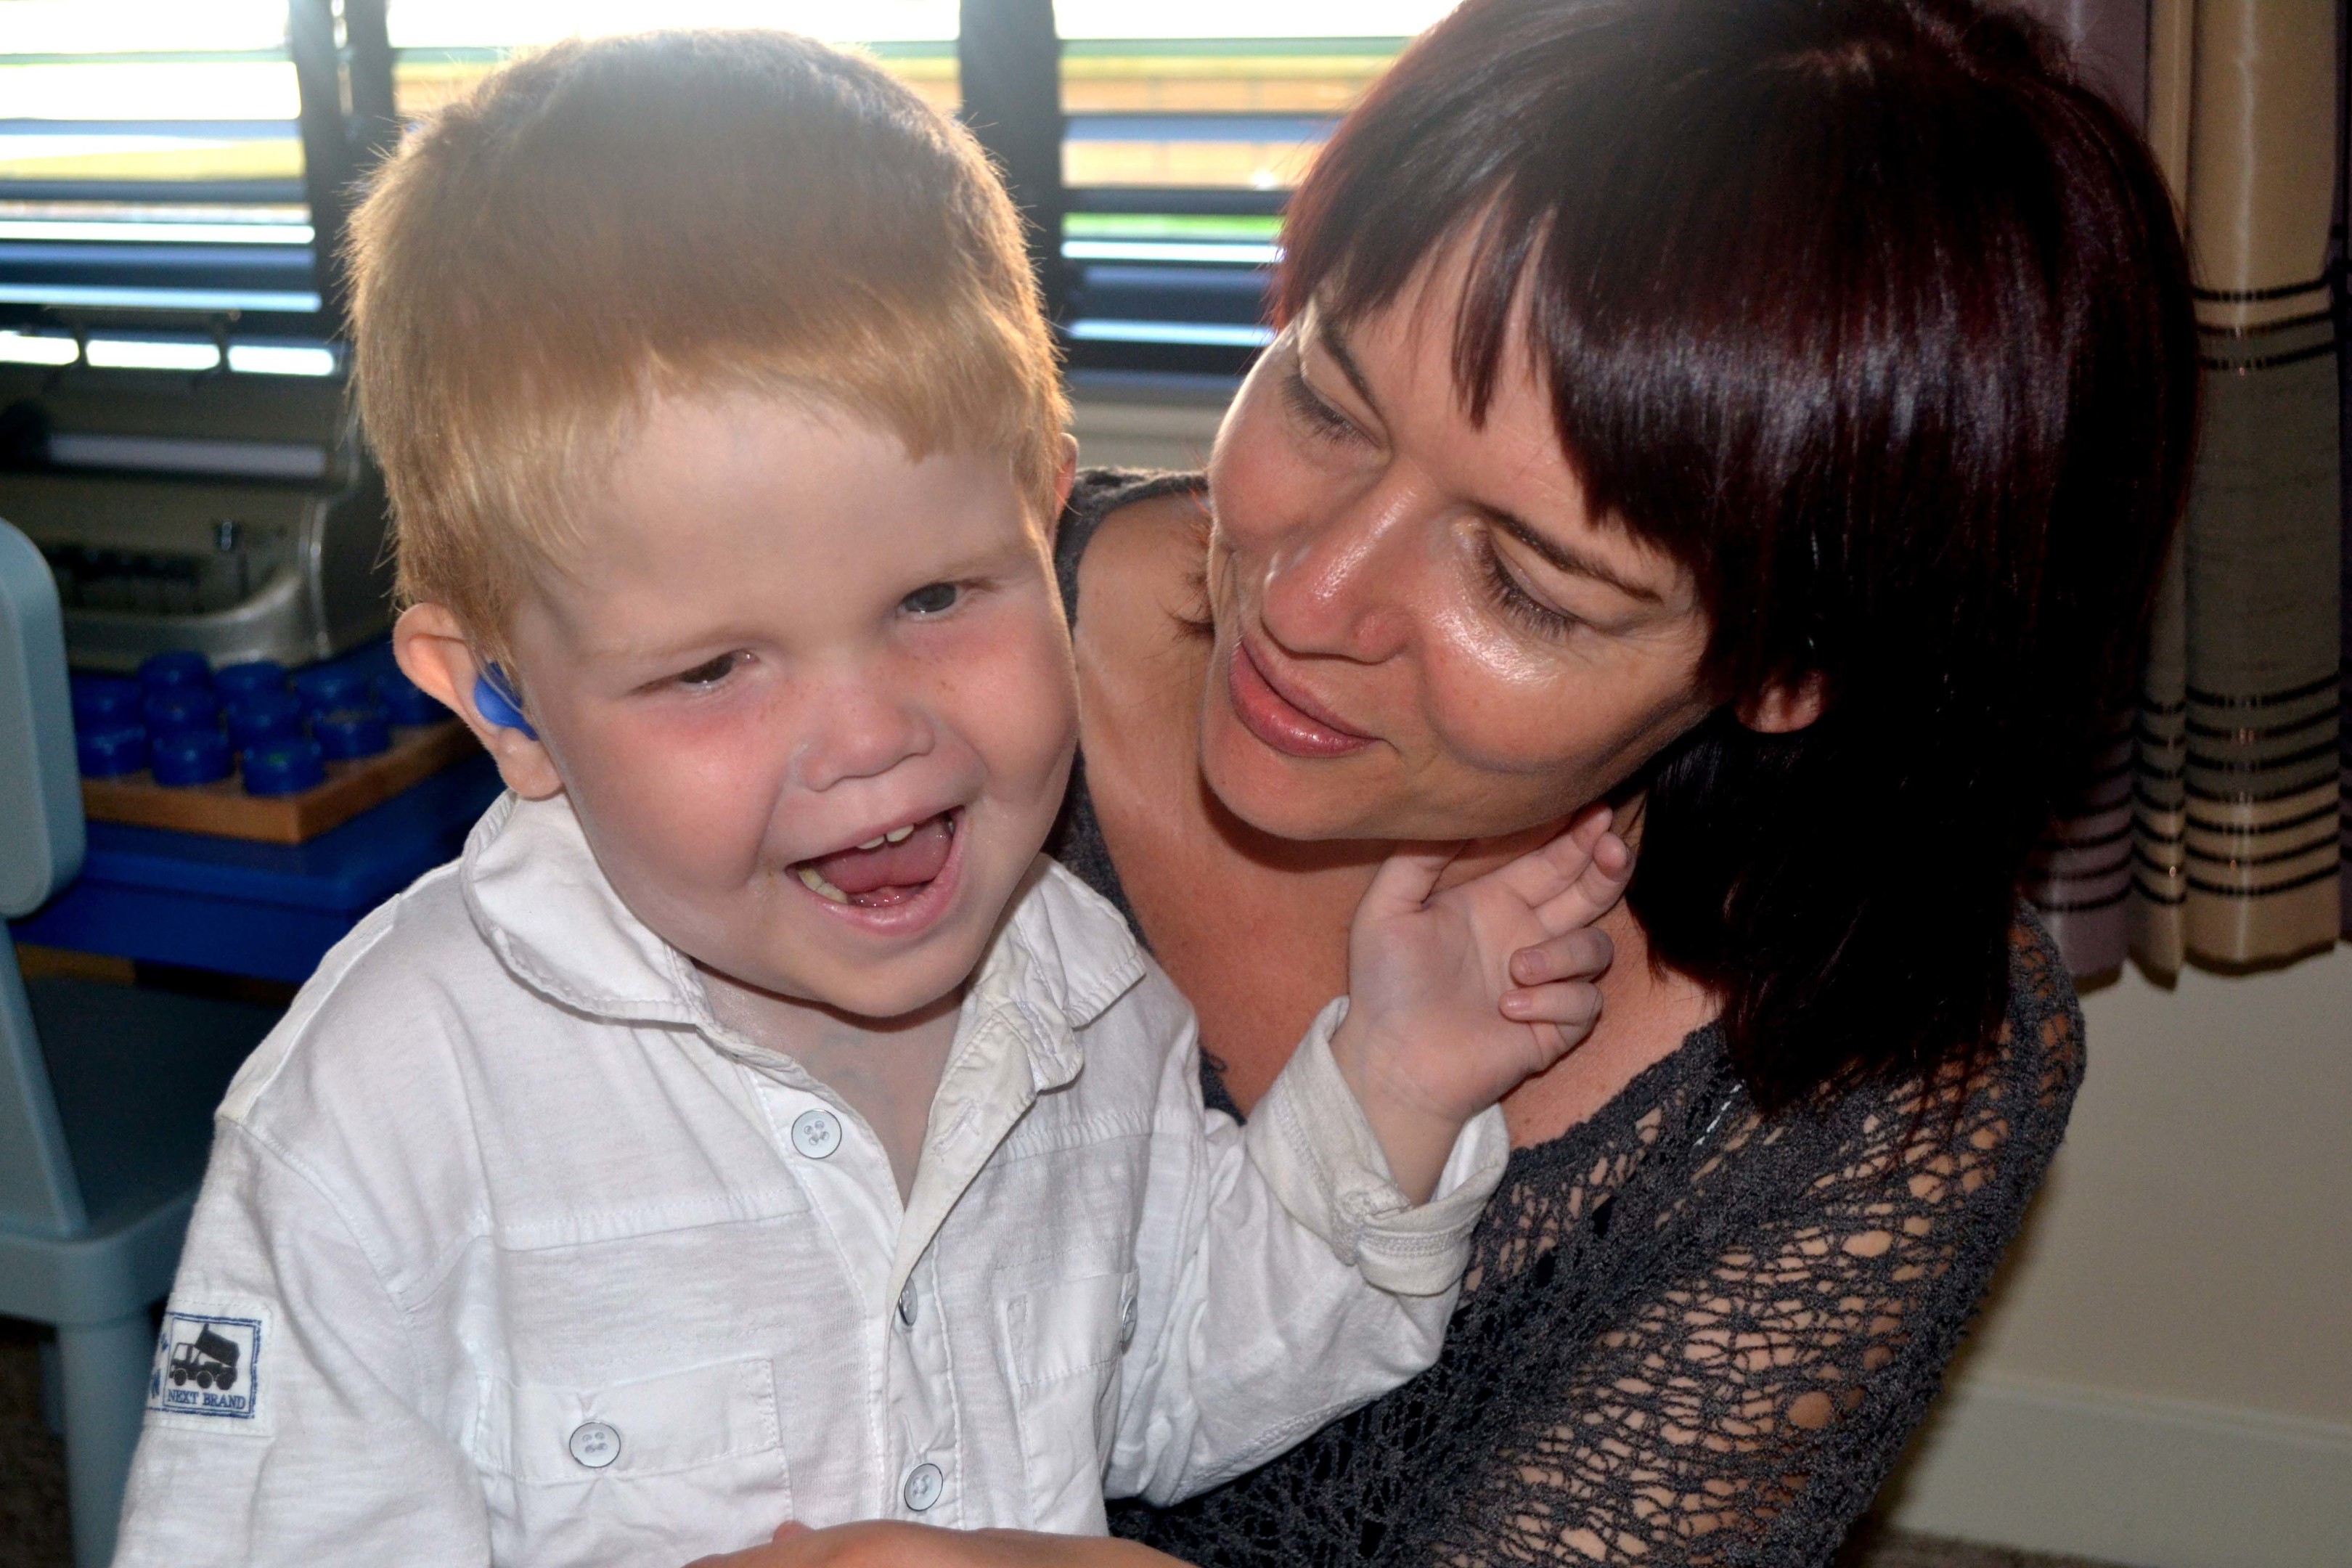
x=2020, y=1089
x=1097, y=495
x=2040, y=1048
x=1983, y=1130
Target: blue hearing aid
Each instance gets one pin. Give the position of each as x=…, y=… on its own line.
x=495, y=701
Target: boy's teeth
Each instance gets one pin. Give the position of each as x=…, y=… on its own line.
x=820, y=887
x=895, y=836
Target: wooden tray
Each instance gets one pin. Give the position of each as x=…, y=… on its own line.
x=224, y=809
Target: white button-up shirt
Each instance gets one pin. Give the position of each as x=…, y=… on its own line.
x=511, y=1252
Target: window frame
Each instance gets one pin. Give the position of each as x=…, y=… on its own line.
x=339, y=56
x=1009, y=61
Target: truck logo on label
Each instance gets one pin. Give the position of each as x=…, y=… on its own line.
x=206, y=1366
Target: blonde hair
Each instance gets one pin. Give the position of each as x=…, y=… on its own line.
x=606, y=222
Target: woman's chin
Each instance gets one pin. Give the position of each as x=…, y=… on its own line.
x=1286, y=797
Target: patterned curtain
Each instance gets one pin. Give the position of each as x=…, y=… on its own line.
x=2082, y=879
x=2216, y=829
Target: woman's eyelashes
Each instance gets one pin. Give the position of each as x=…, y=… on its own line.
x=1321, y=420
x=1512, y=597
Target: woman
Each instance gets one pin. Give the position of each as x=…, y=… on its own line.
x=1767, y=416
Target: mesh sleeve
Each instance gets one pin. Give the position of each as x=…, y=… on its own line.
x=1706, y=1345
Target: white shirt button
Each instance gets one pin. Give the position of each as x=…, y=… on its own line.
x=817, y=1134
x=1126, y=1319
x=924, y=1485
x=594, y=1444
x=907, y=1305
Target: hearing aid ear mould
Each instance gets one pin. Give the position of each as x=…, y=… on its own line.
x=495, y=701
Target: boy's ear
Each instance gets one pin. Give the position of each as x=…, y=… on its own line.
x=1783, y=708
x=431, y=644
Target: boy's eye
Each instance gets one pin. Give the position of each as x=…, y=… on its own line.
x=931, y=598
x=709, y=673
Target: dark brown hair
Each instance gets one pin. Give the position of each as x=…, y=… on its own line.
x=1876, y=317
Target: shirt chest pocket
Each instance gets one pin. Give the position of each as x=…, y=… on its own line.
x=1064, y=1339
x=593, y=1475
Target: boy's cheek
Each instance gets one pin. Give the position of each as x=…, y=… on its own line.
x=638, y=754
x=1020, y=686
x=681, y=821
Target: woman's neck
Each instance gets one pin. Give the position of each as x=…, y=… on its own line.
x=1647, y=1010
x=1254, y=930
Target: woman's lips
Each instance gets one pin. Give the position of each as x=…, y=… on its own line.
x=1282, y=719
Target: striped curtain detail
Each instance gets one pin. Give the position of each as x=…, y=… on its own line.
x=2215, y=831
x=2082, y=879
x=2341, y=240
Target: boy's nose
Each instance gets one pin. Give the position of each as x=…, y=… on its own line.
x=859, y=729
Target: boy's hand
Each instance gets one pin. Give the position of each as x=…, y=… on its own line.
x=1456, y=997
x=882, y=1544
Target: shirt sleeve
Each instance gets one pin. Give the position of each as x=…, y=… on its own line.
x=328, y=1458
x=1284, y=1278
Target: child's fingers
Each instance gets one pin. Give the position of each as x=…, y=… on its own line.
x=1579, y=954
x=1587, y=826
x=1406, y=879
x=1572, y=1005
x=1595, y=890
x=1542, y=874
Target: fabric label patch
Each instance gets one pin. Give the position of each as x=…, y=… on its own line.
x=208, y=1365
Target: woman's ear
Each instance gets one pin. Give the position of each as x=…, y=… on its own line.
x=1783, y=708
x=1066, y=476
x=431, y=644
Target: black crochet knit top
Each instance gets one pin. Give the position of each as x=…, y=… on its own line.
x=1688, y=1335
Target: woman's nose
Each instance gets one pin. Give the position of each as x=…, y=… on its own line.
x=858, y=726
x=1338, y=584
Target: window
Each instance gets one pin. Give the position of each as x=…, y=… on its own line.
x=441, y=48
x=151, y=159
x=193, y=156
x=1185, y=128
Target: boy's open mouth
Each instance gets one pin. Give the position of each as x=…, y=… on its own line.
x=884, y=870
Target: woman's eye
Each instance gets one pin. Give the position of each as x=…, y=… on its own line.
x=1511, y=596
x=710, y=672
x=1322, y=421
x=932, y=599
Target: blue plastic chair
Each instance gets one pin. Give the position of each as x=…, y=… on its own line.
x=106, y=1091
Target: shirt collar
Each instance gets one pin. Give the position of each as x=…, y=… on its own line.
x=537, y=895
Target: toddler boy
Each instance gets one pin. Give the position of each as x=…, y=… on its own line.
x=751, y=1125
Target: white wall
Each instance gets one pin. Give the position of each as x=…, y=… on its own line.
x=1147, y=422
x=2164, y=1374
x=2195, y=1240
x=2163, y=1377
